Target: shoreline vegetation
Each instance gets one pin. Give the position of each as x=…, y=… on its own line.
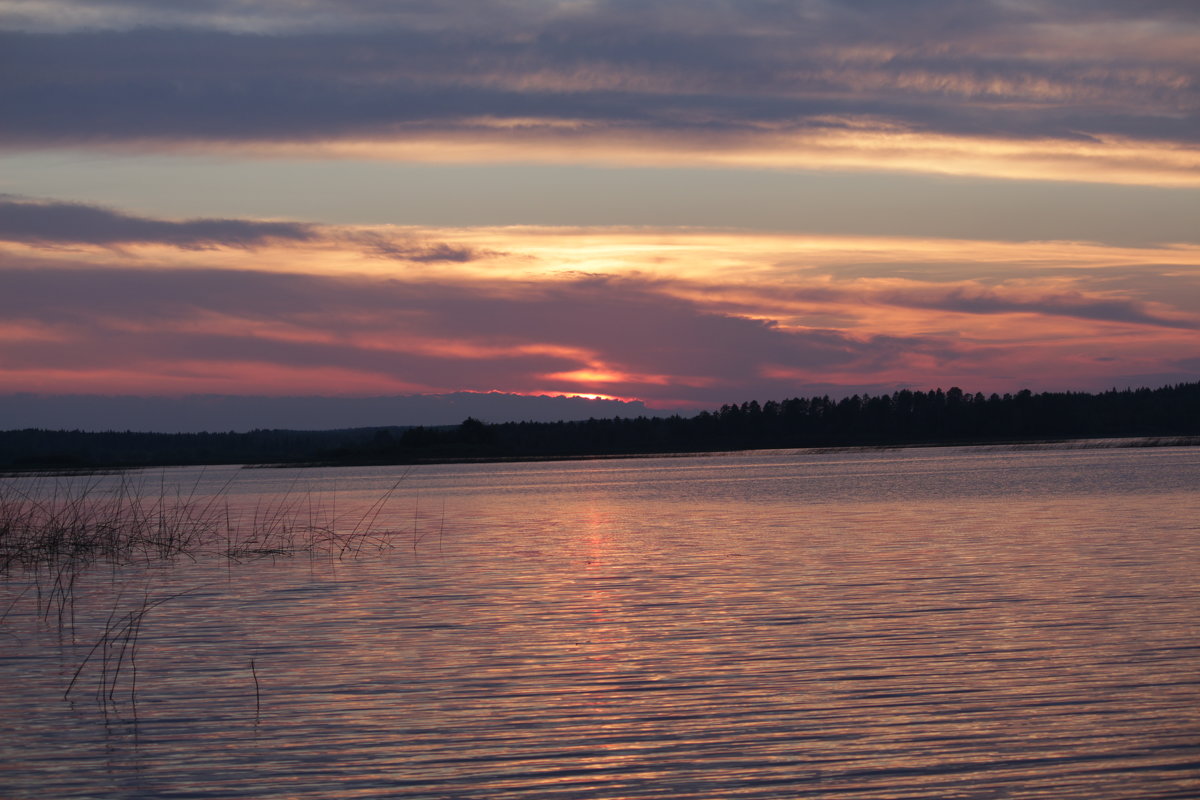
x=65, y=528
x=54, y=533
x=1165, y=416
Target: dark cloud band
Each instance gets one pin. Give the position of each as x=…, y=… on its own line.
x=23, y=220
x=56, y=223
x=697, y=69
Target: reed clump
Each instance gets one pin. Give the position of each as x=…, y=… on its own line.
x=79, y=523
x=54, y=530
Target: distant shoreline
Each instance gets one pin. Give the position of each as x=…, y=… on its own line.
x=1168, y=416
x=1107, y=443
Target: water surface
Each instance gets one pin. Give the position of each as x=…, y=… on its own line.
x=921, y=623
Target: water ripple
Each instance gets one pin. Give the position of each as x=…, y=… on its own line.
x=971, y=629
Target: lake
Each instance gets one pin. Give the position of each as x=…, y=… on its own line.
x=1000, y=622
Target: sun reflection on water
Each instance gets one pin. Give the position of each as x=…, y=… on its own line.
x=907, y=624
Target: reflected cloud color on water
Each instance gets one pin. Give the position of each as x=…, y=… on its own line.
x=901, y=624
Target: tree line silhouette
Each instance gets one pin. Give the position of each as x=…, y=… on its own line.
x=902, y=418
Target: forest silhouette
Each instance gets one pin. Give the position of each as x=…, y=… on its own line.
x=902, y=418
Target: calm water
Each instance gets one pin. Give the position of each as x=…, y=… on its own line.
x=937, y=623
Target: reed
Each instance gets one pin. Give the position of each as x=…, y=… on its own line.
x=116, y=650
x=53, y=531
x=67, y=526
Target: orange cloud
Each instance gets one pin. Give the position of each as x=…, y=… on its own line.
x=673, y=315
x=848, y=144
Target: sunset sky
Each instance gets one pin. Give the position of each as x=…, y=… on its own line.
x=681, y=202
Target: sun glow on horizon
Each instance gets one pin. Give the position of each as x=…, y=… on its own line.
x=666, y=316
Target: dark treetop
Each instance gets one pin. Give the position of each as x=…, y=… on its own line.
x=902, y=418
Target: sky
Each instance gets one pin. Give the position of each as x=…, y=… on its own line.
x=675, y=203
